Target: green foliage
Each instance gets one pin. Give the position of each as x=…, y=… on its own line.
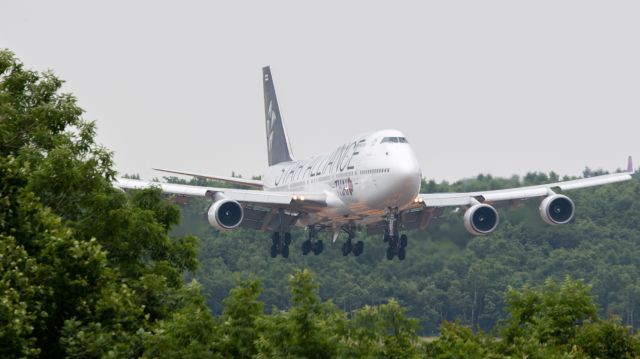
x=551, y=321
x=543, y=321
x=607, y=339
x=457, y=341
x=382, y=331
x=186, y=333
x=86, y=271
x=548, y=315
x=448, y=274
x=307, y=330
x=242, y=314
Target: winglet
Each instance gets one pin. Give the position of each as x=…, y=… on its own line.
x=630, y=164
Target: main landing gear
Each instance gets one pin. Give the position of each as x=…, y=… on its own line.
x=397, y=243
x=313, y=244
x=349, y=246
x=280, y=245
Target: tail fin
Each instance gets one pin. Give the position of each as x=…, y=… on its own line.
x=277, y=140
x=630, y=164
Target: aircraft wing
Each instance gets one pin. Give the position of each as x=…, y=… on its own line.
x=261, y=207
x=233, y=180
x=515, y=194
x=430, y=206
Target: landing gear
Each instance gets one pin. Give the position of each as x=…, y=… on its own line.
x=397, y=243
x=397, y=246
x=358, y=248
x=349, y=246
x=312, y=244
x=306, y=247
x=318, y=247
x=279, y=246
x=287, y=239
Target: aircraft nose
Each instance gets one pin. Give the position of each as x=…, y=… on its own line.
x=407, y=171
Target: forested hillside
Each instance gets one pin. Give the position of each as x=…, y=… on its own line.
x=89, y=271
x=449, y=274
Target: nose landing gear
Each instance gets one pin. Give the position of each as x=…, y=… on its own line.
x=397, y=243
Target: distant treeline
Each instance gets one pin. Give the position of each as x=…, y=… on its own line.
x=449, y=274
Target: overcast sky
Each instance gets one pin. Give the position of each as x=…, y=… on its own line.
x=500, y=87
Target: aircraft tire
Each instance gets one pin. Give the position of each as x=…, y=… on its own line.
x=345, y=249
x=285, y=252
x=393, y=242
x=275, y=238
x=358, y=248
x=390, y=253
x=402, y=253
x=318, y=247
x=306, y=247
x=274, y=251
x=287, y=239
x=403, y=241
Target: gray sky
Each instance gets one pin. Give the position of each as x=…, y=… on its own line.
x=500, y=87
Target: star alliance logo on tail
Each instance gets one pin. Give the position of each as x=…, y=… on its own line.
x=271, y=122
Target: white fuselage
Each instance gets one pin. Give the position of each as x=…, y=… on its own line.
x=362, y=179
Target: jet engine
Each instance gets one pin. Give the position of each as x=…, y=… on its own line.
x=557, y=209
x=225, y=214
x=481, y=219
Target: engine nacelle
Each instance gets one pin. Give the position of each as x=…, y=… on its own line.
x=481, y=219
x=225, y=214
x=557, y=209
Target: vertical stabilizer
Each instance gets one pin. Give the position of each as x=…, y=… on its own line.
x=278, y=147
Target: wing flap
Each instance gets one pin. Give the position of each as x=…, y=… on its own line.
x=171, y=188
x=304, y=200
x=232, y=180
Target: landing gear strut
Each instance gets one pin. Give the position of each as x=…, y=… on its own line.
x=397, y=243
x=313, y=244
x=349, y=246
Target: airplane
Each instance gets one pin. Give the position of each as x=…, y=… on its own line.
x=370, y=183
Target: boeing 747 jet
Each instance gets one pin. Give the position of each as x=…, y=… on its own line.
x=370, y=183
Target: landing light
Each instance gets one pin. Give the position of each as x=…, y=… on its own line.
x=418, y=200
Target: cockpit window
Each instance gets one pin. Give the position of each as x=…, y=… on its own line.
x=394, y=140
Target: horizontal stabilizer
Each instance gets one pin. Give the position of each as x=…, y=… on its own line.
x=232, y=180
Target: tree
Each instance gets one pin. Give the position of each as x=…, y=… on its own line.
x=308, y=330
x=188, y=332
x=607, y=339
x=86, y=270
x=239, y=322
x=457, y=341
x=549, y=314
